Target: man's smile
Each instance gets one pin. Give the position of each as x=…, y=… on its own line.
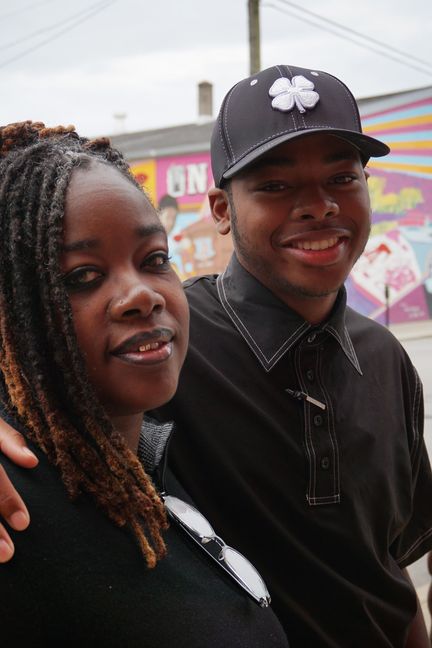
x=315, y=245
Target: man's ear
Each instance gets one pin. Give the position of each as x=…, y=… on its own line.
x=220, y=209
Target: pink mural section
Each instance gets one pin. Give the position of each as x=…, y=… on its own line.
x=179, y=188
x=392, y=281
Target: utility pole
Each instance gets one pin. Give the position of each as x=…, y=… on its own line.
x=254, y=37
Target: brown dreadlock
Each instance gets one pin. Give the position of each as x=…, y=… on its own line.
x=44, y=379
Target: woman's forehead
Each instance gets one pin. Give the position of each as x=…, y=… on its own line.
x=99, y=175
x=102, y=183
x=101, y=196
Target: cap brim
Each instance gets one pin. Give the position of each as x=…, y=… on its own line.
x=368, y=146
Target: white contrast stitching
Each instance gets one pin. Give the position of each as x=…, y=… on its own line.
x=333, y=439
x=248, y=337
x=415, y=414
x=291, y=114
x=274, y=135
x=325, y=500
x=351, y=100
x=351, y=357
x=222, y=140
x=309, y=443
x=295, y=127
x=307, y=434
x=414, y=546
x=225, y=119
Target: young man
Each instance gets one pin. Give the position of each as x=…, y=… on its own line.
x=300, y=421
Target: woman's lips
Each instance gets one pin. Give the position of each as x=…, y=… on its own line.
x=143, y=338
x=147, y=354
x=146, y=347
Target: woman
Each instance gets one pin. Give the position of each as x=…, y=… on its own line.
x=93, y=332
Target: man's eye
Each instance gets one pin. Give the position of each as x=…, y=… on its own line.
x=159, y=260
x=274, y=186
x=81, y=278
x=344, y=179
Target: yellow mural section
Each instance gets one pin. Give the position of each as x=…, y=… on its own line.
x=145, y=173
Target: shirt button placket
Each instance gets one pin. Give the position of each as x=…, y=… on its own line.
x=318, y=433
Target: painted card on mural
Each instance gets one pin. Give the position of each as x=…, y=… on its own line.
x=388, y=261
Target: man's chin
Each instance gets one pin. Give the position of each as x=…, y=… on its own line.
x=311, y=292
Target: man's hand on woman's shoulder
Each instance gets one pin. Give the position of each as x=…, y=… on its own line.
x=12, y=508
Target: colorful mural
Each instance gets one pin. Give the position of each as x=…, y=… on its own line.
x=180, y=191
x=392, y=282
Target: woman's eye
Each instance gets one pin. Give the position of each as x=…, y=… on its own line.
x=81, y=278
x=157, y=260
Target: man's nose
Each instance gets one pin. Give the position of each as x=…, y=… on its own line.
x=135, y=298
x=314, y=203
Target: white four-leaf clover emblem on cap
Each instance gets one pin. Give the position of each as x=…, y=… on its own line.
x=297, y=92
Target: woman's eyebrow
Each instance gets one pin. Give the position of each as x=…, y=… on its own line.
x=149, y=230
x=76, y=246
x=143, y=231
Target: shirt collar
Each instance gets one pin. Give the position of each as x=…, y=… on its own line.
x=268, y=326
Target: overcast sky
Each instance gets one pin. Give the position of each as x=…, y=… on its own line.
x=145, y=58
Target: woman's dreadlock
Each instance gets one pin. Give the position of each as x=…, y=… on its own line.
x=44, y=379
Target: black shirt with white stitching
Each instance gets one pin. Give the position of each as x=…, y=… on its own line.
x=325, y=487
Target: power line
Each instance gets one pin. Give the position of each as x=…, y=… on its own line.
x=351, y=40
x=60, y=23
x=356, y=33
x=89, y=14
x=29, y=7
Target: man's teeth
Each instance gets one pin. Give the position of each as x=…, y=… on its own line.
x=152, y=346
x=315, y=245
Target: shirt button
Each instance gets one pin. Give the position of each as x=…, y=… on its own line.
x=311, y=337
x=317, y=419
x=310, y=374
x=325, y=463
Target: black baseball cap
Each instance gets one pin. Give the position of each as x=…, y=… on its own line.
x=277, y=105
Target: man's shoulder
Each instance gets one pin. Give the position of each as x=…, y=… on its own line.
x=199, y=282
x=201, y=292
x=360, y=325
x=375, y=345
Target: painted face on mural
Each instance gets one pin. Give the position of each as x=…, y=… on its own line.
x=168, y=210
x=178, y=186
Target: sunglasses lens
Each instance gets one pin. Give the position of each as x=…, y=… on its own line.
x=189, y=516
x=239, y=566
x=246, y=572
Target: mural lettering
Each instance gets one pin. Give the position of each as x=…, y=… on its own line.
x=190, y=179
